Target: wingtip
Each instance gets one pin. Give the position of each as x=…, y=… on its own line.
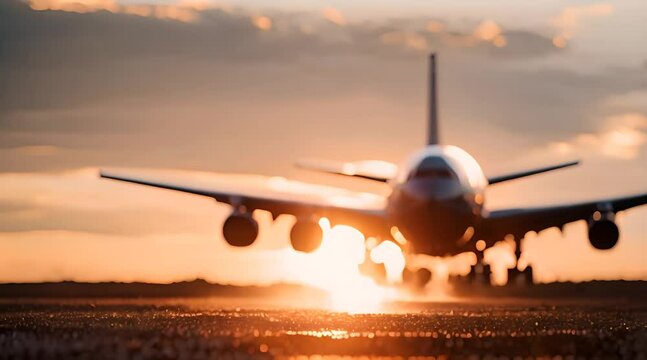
x=103, y=173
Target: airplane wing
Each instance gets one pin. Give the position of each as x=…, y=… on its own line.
x=502, y=178
x=375, y=170
x=364, y=212
x=517, y=222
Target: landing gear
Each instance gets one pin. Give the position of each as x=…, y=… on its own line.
x=373, y=270
x=416, y=279
x=518, y=277
x=480, y=272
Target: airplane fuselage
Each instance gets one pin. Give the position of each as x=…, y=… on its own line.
x=437, y=201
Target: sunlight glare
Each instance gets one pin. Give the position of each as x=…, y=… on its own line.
x=341, y=252
x=389, y=254
x=261, y=22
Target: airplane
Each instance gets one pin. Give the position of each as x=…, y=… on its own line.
x=436, y=204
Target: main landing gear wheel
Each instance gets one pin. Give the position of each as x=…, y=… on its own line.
x=520, y=278
x=516, y=276
x=480, y=274
x=416, y=279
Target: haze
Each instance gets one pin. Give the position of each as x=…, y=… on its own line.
x=251, y=87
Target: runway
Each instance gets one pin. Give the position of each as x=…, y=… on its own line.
x=216, y=328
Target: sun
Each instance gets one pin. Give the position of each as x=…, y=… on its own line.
x=342, y=250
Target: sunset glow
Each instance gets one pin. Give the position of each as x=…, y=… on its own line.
x=337, y=272
x=183, y=11
x=334, y=16
x=225, y=89
x=490, y=31
x=621, y=136
x=390, y=254
x=262, y=22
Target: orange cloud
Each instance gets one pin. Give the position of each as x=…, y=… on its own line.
x=334, y=16
x=560, y=41
x=487, y=30
x=570, y=20
x=78, y=6
x=434, y=26
x=636, y=99
x=183, y=11
x=623, y=136
x=37, y=150
x=490, y=31
x=262, y=22
x=407, y=39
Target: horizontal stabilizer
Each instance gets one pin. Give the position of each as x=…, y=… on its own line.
x=375, y=170
x=507, y=177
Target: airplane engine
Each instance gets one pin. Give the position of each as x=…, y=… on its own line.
x=603, y=234
x=306, y=236
x=240, y=229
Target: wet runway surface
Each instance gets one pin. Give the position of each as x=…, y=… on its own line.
x=159, y=329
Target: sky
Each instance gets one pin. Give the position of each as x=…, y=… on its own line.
x=251, y=87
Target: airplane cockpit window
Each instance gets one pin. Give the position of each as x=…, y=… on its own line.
x=433, y=167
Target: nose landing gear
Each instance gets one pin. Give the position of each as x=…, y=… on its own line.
x=518, y=277
x=480, y=272
x=416, y=279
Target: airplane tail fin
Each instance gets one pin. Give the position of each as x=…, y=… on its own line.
x=432, y=106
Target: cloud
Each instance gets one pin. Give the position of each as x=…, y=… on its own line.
x=435, y=26
x=116, y=89
x=236, y=90
x=334, y=16
x=486, y=32
x=184, y=11
x=78, y=6
x=37, y=150
x=571, y=19
x=262, y=22
x=634, y=100
x=405, y=39
x=490, y=31
x=623, y=137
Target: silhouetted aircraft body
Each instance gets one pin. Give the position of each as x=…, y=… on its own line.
x=436, y=204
